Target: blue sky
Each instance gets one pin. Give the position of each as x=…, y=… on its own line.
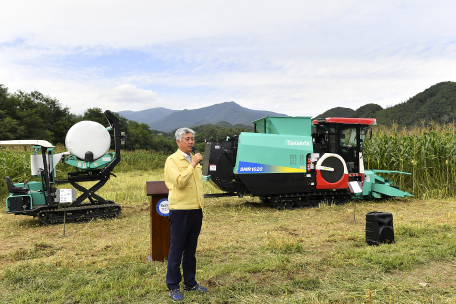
x=299, y=58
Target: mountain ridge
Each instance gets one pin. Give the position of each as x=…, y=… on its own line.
x=147, y=116
x=435, y=104
x=230, y=112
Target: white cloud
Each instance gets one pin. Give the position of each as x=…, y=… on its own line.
x=294, y=57
x=142, y=23
x=127, y=96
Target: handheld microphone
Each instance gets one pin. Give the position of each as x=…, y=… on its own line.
x=195, y=151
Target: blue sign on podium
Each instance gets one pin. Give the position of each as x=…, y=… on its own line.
x=162, y=207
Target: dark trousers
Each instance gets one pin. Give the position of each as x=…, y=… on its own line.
x=185, y=227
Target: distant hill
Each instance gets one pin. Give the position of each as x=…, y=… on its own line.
x=437, y=104
x=336, y=112
x=147, y=116
x=229, y=112
x=367, y=111
x=225, y=124
x=207, y=131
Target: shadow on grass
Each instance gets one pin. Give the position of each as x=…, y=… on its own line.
x=29, y=222
x=256, y=205
x=283, y=205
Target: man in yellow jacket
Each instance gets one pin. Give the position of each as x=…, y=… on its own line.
x=183, y=178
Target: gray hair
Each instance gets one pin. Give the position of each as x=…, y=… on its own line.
x=182, y=131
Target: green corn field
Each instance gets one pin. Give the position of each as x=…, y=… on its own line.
x=428, y=153
x=15, y=163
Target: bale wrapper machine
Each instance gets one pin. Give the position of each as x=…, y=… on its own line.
x=294, y=161
x=88, y=143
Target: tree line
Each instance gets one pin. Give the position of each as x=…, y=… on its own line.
x=436, y=104
x=37, y=116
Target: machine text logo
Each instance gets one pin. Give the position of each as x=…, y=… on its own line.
x=298, y=143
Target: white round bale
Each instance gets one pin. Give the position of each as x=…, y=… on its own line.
x=88, y=136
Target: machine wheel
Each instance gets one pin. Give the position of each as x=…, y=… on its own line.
x=337, y=174
x=332, y=172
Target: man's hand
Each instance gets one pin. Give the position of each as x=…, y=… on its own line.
x=196, y=159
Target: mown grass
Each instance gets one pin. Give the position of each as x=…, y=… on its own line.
x=247, y=253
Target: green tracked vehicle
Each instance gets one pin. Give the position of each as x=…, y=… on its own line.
x=50, y=205
x=294, y=161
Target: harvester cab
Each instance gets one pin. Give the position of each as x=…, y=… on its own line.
x=342, y=139
x=88, y=144
x=291, y=160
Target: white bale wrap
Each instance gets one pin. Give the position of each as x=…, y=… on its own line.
x=88, y=136
x=36, y=162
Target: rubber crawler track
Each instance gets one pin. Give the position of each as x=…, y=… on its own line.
x=78, y=214
x=297, y=201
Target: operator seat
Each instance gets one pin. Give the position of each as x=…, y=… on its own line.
x=15, y=189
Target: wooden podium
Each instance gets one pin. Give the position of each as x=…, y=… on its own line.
x=159, y=225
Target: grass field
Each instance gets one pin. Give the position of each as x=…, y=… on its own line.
x=247, y=253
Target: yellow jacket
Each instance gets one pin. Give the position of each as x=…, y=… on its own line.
x=184, y=182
